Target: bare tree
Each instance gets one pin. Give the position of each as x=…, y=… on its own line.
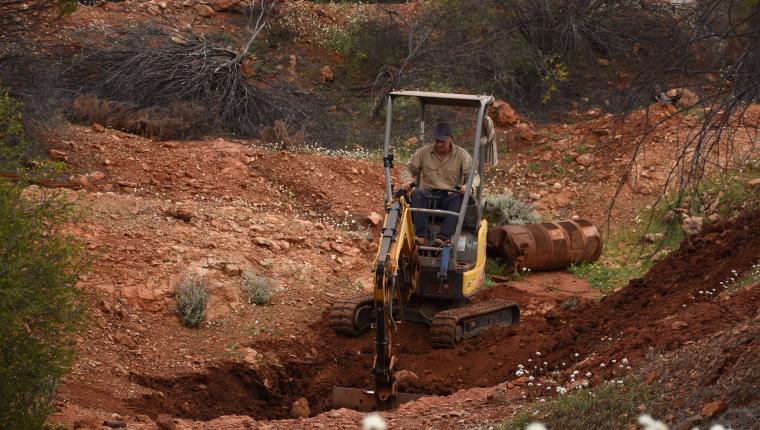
x=720, y=59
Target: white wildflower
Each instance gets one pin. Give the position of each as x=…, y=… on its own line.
x=561, y=390
x=650, y=423
x=374, y=421
x=588, y=374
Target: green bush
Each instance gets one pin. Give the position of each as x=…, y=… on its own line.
x=39, y=306
x=192, y=298
x=12, y=141
x=257, y=288
x=507, y=209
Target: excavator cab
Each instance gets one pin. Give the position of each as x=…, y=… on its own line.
x=432, y=285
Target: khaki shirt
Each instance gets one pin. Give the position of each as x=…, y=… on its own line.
x=437, y=174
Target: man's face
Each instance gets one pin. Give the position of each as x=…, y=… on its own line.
x=443, y=146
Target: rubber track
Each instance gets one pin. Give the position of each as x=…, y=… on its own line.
x=445, y=323
x=341, y=316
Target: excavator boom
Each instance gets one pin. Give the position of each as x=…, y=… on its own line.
x=395, y=281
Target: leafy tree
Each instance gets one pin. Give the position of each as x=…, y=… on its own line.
x=39, y=306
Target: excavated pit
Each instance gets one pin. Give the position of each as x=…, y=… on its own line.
x=662, y=310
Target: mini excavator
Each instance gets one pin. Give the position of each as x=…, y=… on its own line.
x=431, y=285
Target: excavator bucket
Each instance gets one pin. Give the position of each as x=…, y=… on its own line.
x=365, y=400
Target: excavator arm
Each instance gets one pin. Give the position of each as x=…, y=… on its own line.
x=393, y=283
x=395, y=269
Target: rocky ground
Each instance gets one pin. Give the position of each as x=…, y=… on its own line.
x=307, y=222
x=153, y=210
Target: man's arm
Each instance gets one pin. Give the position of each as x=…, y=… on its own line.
x=411, y=169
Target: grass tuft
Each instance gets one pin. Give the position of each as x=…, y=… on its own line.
x=607, y=406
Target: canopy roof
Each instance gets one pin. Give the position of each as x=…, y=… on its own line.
x=445, y=99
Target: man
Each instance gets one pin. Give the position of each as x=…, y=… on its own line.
x=443, y=168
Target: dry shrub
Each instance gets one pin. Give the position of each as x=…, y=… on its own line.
x=178, y=120
x=192, y=295
x=278, y=134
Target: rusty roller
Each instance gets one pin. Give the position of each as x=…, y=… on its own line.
x=546, y=246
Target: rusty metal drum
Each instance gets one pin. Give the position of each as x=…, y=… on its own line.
x=546, y=246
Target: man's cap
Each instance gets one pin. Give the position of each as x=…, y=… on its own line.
x=442, y=131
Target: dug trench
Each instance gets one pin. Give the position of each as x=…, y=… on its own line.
x=655, y=314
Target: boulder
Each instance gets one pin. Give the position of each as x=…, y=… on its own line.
x=503, y=114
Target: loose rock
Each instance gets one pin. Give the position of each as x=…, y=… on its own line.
x=374, y=218
x=326, y=74
x=585, y=160
x=165, y=422
x=300, y=408
x=692, y=225
x=654, y=237
x=713, y=409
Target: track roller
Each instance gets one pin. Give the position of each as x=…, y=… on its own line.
x=353, y=316
x=451, y=326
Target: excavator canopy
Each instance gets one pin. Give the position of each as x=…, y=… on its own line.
x=445, y=99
